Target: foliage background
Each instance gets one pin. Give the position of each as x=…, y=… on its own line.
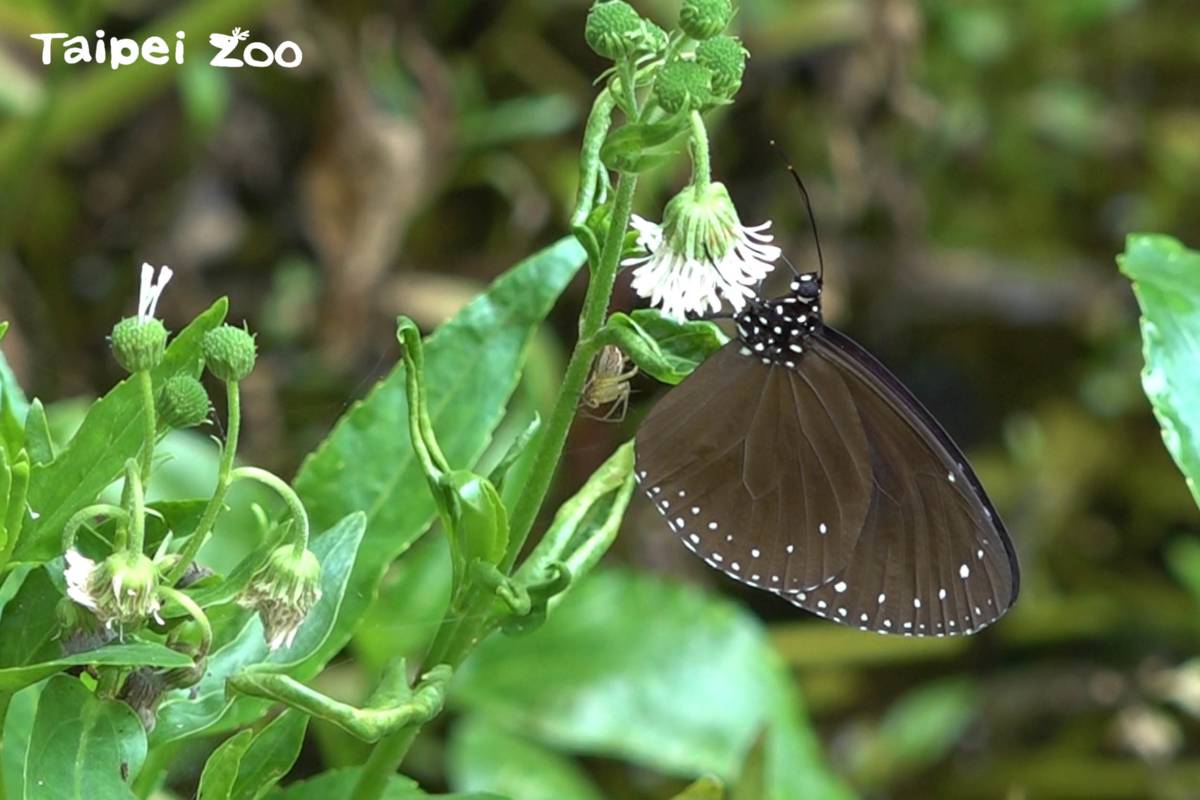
x=975, y=166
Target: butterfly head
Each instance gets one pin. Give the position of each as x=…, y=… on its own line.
x=775, y=330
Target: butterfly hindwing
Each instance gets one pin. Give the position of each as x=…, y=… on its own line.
x=934, y=557
x=765, y=476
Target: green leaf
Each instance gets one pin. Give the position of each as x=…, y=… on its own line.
x=131, y=653
x=221, y=769
x=706, y=788
x=271, y=755
x=80, y=745
x=1166, y=281
x=484, y=757
x=479, y=528
x=633, y=667
x=37, y=434
x=18, y=726
x=111, y=433
x=367, y=461
x=412, y=599
x=13, y=408
x=666, y=350
x=585, y=526
x=639, y=146
x=185, y=713
x=918, y=730
x=338, y=783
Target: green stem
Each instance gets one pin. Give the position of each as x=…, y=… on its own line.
x=150, y=423
x=554, y=437
x=81, y=517
x=137, y=508
x=280, y=486
x=382, y=764
x=189, y=605
x=224, y=478
x=5, y=699
x=701, y=168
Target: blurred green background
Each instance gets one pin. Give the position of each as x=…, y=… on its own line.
x=975, y=167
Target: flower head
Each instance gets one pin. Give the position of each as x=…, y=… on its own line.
x=229, y=352
x=121, y=590
x=700, y=254
x=139, y=342
x=283, y=591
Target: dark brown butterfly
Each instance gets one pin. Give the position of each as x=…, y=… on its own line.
x=795, y=462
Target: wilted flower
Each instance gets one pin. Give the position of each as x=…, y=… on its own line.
x=700, y=254
x=283, y=591
x=121, y=590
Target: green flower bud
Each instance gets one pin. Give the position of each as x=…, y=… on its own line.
x=229, y=352
x=683, y=86
x=139, y=343
x=613, y=29
x=121, y=590
x=704, y=19
x=283, y=591
x=183, y=402
x=725, y=58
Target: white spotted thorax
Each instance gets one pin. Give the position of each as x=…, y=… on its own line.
x=775, y=330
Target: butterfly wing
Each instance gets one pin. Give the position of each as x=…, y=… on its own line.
x=762, y=472
x=933, y=557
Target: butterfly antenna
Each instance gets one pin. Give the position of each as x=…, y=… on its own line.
x=812, y=218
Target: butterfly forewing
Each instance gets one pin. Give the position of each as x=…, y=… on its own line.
x=933, y=557
x=763, y=474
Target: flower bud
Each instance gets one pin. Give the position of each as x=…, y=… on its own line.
x=143, y=691
x=725, y=58
x=704, y=19
x=613, y=29
x=121, y=590
x=683, y=86
x=183, y=403
x=229, y=352
x=139, y=343
x=283, y=591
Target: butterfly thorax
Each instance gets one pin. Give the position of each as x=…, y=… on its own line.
x=776, y=330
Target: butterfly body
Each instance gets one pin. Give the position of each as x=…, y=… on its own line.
x=794, y=462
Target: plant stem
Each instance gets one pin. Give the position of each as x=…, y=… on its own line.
x=5, y=699
x=193, y=609
x=224, y=478
x=137, y=508
x=554, y=436
x=280, y=486
x=383, y=762
x=701, y=169
x=150, y=421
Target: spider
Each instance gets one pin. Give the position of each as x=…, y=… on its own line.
x=609, y=383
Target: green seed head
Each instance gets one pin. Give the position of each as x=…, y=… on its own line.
x=139, y=344
x=725, y=58
x=704, y=19
x=683, y=86
x=183, y=402
x=613, y=29
x=229, y=352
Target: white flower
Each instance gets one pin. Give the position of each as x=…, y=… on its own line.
x=700, y=255
x=122, y=589
x=78, y=575
x=151, y=290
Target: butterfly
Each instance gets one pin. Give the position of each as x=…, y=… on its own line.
x=795, y=462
